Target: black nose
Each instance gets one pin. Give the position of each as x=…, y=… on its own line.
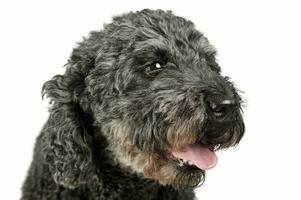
x=221, y=107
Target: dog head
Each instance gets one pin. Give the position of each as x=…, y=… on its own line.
x=150, y=84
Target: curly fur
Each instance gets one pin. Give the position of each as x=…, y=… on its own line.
x=110, y=126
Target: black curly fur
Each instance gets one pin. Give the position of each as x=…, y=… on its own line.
x=73, y=156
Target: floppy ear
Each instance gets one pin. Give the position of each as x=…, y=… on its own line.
x=66, y=139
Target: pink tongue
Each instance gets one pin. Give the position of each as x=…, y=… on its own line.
x=200, y=156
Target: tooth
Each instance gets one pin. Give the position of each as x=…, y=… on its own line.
x=190, y=162
x=181, y=162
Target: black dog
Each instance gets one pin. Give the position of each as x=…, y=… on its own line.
x=138, y=114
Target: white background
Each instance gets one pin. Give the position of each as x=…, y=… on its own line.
x=259, y=47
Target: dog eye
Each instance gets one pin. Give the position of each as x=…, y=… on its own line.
x=153, y=69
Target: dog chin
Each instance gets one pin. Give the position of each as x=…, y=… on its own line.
x=170, y=171
x=184, y=176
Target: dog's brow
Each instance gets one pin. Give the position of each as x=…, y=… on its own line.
x=151, y=49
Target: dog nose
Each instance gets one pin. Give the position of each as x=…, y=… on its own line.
x=221, y=107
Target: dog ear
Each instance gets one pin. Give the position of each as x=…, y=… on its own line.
x=66, y=140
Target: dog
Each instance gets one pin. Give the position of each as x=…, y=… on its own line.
x=138, y=114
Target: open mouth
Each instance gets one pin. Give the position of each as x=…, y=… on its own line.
x=195, y=156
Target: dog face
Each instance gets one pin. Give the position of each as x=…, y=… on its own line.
x=155, y=92
x=170, y=107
